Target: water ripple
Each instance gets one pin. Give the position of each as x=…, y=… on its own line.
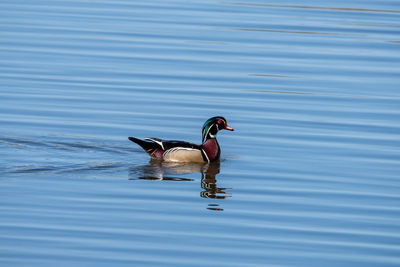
x=308, y=178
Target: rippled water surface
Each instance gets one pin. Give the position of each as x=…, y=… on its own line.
x=309, y=177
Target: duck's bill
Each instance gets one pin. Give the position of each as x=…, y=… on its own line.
x=228, y=128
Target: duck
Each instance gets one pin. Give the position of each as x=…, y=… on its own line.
x=182, y=151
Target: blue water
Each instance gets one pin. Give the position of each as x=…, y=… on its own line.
x=309, y=177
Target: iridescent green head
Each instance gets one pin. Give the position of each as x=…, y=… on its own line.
x=212, y=126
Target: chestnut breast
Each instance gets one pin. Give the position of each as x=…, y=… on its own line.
x=211, y=148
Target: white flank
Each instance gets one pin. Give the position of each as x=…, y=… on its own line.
x=176, y=149
x=183, y=154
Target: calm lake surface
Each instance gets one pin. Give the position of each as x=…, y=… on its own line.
x=309, y=177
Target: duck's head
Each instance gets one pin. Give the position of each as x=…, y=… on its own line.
x=212, y=126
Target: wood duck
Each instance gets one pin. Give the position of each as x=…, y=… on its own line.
x=181, y=151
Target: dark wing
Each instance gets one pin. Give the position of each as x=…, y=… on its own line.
x=173, y=143
x=168, y=144
x=155, y=147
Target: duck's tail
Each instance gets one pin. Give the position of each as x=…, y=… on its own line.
x=149, y=147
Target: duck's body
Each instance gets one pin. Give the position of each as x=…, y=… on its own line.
x=181, y=151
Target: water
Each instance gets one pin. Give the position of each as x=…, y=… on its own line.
x=310, y=177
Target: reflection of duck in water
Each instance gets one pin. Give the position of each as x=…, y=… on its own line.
x=180, y=151
x=169, y=171
x=163, y=170
x=209, y=182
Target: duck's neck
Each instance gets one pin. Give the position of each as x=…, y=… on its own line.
x=211, y=148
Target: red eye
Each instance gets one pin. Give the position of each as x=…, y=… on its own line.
x=219, y=121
